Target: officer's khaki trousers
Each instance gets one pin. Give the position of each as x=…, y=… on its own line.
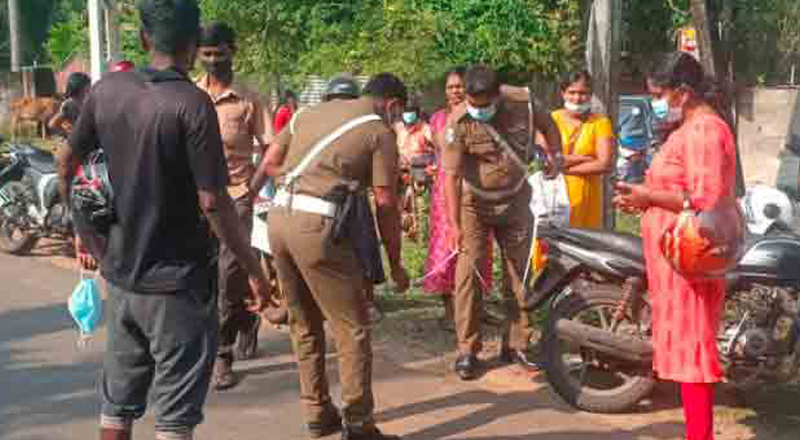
x=324, y=281
x=511, y=224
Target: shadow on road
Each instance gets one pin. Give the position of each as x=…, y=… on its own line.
x=36, y=391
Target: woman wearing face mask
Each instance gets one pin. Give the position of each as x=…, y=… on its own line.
x=696, y=163
x=587, y=140
x=414, y=137
x=439, y=270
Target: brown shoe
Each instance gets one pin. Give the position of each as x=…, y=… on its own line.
x=223, y=374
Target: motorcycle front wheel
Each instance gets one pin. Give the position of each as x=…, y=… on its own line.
x=14, y=237
x=587, y=380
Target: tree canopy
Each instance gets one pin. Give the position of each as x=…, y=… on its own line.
x=420, y=39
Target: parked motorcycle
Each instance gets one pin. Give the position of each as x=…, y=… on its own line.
x=597, y=346
x=769, y=211
x=30, y=205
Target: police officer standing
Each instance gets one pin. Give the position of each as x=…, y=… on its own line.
x=486, y=157
x=243, y=122
x=324, y=152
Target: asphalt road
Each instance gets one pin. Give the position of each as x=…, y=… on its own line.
x=47, y=386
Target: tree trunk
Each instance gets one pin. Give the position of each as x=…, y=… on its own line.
x=703, y=25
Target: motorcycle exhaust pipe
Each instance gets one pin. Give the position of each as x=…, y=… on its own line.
x=616, y=345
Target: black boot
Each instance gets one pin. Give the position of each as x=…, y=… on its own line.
x=329, y=423
x=466, y=367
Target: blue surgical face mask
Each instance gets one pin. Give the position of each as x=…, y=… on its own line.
x=482, y=114
x=86, y=307
x=409, y=117
x=665, y=112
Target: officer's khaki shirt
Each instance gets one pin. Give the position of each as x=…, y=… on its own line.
x=366, y=154
x=244, y=124
x=474, y=155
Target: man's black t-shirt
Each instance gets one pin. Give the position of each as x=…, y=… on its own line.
x=161, y=137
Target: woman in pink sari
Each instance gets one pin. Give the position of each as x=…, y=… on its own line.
x=440, y=266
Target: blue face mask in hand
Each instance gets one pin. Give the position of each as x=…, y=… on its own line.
x=86, y=307
x=482, y=114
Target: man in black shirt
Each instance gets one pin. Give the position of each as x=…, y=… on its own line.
x=167, y=168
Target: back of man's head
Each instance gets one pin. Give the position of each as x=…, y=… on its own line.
x=216, y=33
x=481, y=80
x=171, y=25
x=386, y=86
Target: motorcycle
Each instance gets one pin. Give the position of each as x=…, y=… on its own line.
x=30, y=205
x=633, y=161
x=597, y=349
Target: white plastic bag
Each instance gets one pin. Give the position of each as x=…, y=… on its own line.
x=550, y=199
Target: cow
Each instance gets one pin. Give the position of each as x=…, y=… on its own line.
x=37, y=110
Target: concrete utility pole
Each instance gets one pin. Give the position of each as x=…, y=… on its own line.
x=95, y=38
x=603, y=50
x=16, y=37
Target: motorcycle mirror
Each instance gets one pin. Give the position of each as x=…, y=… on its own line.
x=772, y=211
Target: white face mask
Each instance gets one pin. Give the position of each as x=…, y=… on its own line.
x=578, y=108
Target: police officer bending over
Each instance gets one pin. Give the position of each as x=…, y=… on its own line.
x=325, y=155
x=485, y=161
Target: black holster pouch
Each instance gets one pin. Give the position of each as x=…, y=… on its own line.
x=344, y=196
x=354, y=222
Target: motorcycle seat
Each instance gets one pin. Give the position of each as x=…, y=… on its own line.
x=42, y=161
x=627, y=244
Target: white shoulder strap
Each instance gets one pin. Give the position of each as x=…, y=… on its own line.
x=324, y=142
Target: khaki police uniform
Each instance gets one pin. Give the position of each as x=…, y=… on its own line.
x=323, y=280
x=244, y=124
x=494, y=200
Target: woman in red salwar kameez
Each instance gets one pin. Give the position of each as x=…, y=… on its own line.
x=698, y=160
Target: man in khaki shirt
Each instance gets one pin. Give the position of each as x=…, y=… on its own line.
x=246, y=130
x=321, y=276
x=485, y=162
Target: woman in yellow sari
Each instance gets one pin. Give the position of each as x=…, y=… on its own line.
x=589, y=150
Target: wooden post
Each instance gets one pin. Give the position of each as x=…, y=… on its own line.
x=15, y=38
x=603, y=58
x=112, y=33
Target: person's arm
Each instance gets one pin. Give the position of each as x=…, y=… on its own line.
x=82, y=141
x=453, y=163
x=207, y=163
x=272, y=160
x=385, y=160
x=708, y=161
x=589, y=165
x=57, y=121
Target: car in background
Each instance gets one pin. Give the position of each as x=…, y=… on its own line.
x=638, y=137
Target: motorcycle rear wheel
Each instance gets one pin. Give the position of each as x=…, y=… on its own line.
x=13, y=239
x=598, y=387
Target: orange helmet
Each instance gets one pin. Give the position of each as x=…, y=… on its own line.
x=705, y=244
x=122, y=66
